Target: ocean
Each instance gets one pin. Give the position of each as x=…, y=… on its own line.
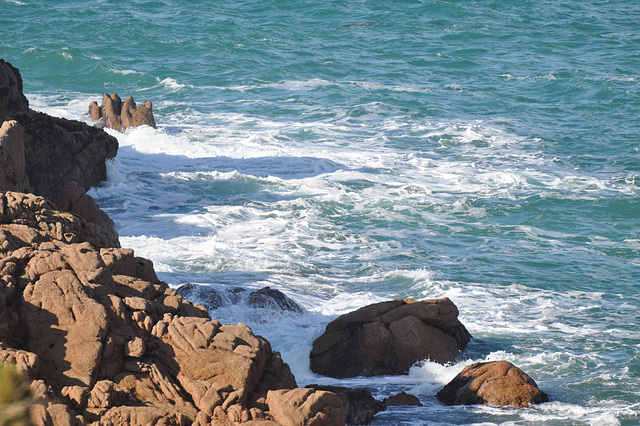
x=348, y=153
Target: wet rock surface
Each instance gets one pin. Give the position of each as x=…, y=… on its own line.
x=118, y=115
x=388, y=338
x=402, y=399
x=216, y=297
x=360, y=407
x=492, y=383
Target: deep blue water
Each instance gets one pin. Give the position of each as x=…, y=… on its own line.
x=347, y=153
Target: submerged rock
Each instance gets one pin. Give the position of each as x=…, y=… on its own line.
x=493, y=383
x=268, y=297
x=115, y=114
x=265, y=298
x=388, y=338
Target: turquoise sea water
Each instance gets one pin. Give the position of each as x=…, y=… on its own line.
x=347, y=153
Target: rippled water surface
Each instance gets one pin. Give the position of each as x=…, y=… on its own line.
x=348, y=153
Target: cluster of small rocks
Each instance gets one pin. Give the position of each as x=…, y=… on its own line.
x=118, y=115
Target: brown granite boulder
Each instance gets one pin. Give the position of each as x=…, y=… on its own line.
x=134, y=116
x=305, y=407
x=493, y=383
x=360, y=407
x=109, y=111
x=402, y=399
x=115, y=114
x=12, y=161
x=388, y=338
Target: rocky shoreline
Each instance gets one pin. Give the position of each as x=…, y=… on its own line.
x=102, y=341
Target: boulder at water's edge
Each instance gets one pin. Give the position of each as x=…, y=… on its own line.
x=388, y=338
x=493, y=383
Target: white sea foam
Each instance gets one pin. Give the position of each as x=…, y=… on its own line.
x=124, y=72
x=172, y=83
x=288, y=227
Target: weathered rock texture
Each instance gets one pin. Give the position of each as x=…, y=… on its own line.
x=115, y=114
x=104, y=345
x=12, y=161
x=56, y=151
x=388, y=338
x=305, y=407
x=360, y=407
x=493, y=383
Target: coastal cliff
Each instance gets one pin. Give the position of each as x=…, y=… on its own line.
x=101, y=339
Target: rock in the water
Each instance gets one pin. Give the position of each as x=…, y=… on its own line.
x=115, y=114
x=268, y=297
x=110, y=111
x=214, y=298
x=134, y=116
x=493, y=383
x=388, y=338
x=360, y=407
x=402, y=399
x=207, y=296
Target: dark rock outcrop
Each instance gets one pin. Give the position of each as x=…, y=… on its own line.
x=388, y=338
x=12, y=99
x=115, y=114
x=44, y=155
x=360, y=407
x=493, y=383
x=214, y=298
x=102, y=344
x=271, y=298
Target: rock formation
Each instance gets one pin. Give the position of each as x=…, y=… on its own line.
x=102, y=344
x=388, y=338
x=55, y=158
x=360, y=406
x=305, y=407
x=56, y=151
x=115, y=114
x=494, y=383
x=402, y=399
x=12, y=161
x=266, y=298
